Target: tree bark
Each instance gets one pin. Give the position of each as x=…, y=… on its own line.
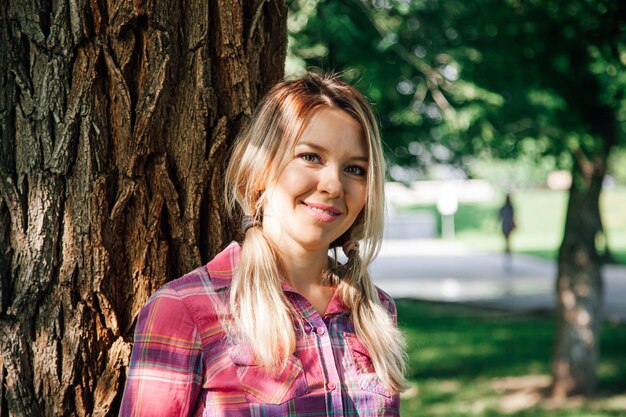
x=116, y=122
x=579, y=290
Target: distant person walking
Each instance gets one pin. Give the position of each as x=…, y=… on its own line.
x=507, y=220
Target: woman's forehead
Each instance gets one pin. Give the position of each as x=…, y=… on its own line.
x=329, y=120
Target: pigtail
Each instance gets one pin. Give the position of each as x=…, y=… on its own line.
x=372, y=322
x=256, y=289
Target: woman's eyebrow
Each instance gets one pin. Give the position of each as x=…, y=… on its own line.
x=319, y=148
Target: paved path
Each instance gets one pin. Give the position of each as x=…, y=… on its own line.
x=447, y=271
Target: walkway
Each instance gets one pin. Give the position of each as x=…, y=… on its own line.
x=447, y=271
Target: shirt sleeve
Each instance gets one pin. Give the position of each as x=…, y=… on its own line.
x=165, y=373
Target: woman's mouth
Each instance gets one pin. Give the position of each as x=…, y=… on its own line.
x=324, y=214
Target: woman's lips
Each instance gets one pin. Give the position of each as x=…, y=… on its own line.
x=322, y=213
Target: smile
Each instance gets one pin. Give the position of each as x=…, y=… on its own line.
x=322, y=213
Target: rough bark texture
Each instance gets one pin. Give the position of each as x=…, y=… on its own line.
x=116, y=120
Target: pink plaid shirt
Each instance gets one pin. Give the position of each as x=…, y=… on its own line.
x=184, y=364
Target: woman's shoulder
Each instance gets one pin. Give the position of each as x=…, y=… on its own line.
x=387, y=301
x=183, y=295
x=216, y=275
x=198, y=280
x=204, y=285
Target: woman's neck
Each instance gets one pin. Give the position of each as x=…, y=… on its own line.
x=304, y=272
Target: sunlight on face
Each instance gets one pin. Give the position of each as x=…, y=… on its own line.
x=323, y=188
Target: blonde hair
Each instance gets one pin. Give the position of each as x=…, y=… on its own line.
x=260, y=153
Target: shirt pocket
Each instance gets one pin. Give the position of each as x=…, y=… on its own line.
x=262, y=387
x=363, y=370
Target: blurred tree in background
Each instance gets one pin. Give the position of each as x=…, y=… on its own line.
x=454, y=81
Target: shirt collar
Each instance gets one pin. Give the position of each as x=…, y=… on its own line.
x=335, y=306
x=220, y=268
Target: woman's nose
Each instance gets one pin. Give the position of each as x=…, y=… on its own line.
x=330, y=182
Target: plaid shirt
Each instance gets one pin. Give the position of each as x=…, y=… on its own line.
x=184, y=364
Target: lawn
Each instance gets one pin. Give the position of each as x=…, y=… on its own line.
x=540, y=217
x=469, y=362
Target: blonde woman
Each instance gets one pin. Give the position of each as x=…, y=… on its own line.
x=273, y=326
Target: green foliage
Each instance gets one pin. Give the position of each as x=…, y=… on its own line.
x=478, y=78
x=460, y=358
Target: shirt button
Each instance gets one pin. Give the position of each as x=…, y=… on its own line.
x=320, y=330
x=331, y=386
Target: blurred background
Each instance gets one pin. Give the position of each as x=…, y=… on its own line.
x=479, y=100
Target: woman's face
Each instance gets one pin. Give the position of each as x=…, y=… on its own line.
x=323, y=187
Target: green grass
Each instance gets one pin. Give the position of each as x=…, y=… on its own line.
x=469, y=362
x=540, y=217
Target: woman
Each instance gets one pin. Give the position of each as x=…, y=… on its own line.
x=273, y=326
x=507, y=220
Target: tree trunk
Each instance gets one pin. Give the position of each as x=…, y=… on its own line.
x=116, y=121
x=579, y=285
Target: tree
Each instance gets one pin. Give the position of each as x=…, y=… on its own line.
x=498, y=78
x=116, y=120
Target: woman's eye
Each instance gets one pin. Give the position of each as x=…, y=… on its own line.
x=310, y=157
x=356, y=170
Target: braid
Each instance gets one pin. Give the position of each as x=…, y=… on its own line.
x=372, y=322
